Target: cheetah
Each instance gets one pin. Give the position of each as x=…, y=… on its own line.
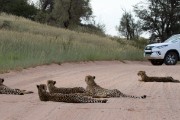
x=6, y=90
x=97, y=91
x=53, y=89
x=146, y=78
x=68, y=98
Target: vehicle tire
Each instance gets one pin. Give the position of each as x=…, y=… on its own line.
x=171, y=58
x=157, y=62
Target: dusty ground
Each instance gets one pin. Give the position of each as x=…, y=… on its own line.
x=162, y=103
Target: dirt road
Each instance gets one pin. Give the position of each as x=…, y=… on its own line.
x=162, y=103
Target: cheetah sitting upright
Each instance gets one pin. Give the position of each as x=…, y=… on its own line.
x=6, y=90
x=53, y=89
x=97, y=91
x=69, y=98
x=146, y=78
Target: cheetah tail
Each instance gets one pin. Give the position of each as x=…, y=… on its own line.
x=104, y=101
x=28, y=92
x=132, y=96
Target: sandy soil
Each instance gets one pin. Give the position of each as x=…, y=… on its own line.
x=162, y=103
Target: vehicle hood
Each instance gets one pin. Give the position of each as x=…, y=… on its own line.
x=159, y=44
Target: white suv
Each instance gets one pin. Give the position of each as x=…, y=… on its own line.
x=167, y=52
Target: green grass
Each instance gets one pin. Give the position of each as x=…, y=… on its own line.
x=24, y=43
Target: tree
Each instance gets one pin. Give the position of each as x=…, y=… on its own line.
x=67, y=12
x=18, y=7
x=160, y=17
x=128, y=27
x=71, y=14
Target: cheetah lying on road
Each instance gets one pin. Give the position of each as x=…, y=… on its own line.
x=146, y=78
x=69, y=98
x=53, y=89
x=97, y=91
x=6, y=90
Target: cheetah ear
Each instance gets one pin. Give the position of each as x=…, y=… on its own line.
x=54, y=82
x=37, y=86
x=94, y=77
x=2, y=80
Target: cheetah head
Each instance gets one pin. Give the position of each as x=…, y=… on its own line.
x=1, y=81
x=51, y=82
x=141, y=73
x=90, y=80
x=42, y=87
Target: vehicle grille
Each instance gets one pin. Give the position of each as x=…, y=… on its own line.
x=149, y=47
x=148, y=53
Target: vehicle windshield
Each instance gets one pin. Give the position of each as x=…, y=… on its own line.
x=173, y=39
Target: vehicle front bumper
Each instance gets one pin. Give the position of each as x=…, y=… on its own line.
x=149, y=54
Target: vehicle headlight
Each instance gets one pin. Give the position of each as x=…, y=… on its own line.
x=162, y=46
x=149, y=47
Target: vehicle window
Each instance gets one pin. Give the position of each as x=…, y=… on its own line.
x=175, y=40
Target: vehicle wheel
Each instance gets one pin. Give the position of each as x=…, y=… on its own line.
x=157, y=62
x=171, y=58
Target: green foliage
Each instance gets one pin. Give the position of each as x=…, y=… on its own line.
x=27, y=44
x=160, y=17
x=42, y=17
x=18, y=7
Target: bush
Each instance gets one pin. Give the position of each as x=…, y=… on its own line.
x=5, y=24
x=19, y=8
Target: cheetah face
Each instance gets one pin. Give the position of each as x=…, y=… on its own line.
x=141, y=73
x=51, y=82
x=42, y=87
x=1, y=81
x=90, y=80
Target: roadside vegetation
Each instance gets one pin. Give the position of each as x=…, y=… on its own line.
x=24, y=43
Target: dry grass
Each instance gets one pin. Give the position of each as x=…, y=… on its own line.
x=24, y=43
